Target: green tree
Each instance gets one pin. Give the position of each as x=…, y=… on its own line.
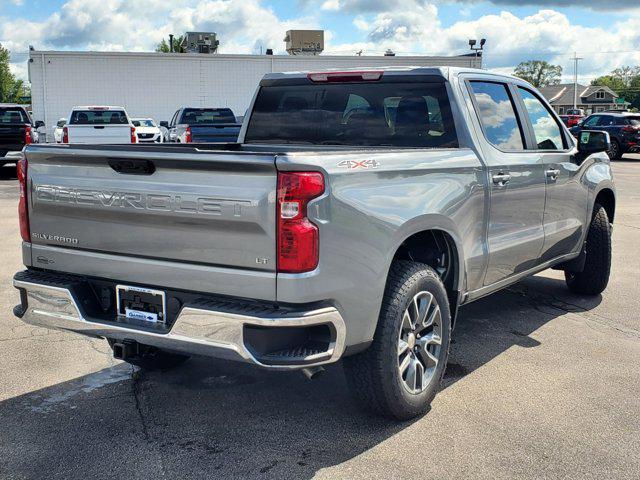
x=625, y=81
x=12, y=90
x=539, y=73
x=163, y=45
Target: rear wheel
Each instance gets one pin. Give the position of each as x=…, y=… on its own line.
x=614, y=152
x=151, y=358
x=597, y=267
x=400, y=373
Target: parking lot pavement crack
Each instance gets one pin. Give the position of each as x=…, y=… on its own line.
x=137, y=397
x=539, y=301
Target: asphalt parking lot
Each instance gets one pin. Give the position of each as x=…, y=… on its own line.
x=541, y=384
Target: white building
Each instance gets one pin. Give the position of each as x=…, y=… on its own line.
x=157, y=84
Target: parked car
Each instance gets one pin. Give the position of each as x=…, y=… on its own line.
x=623, y=129
x=147, y=130
x=17, y=129
x=203, y=125
x=57, y=132
x=316, y=239
x=99, y=124
x=571, y=120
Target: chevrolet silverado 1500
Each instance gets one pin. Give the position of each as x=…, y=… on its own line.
x=358, y=211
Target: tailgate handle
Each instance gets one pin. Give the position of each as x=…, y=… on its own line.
x=133, y=167
x=98, y=127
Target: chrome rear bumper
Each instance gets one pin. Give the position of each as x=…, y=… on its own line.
x=198, y=329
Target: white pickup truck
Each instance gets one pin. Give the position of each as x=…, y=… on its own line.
x=99, y=124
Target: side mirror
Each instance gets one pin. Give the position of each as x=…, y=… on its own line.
x=164, y=124
x=38, y=124
x=590, y=142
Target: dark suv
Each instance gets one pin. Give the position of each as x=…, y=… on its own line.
x=623, y=129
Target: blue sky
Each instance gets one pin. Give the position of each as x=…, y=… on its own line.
x=607, y=34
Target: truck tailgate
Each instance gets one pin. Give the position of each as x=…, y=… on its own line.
x=215, y=133
x=99, y=134
x=196, y=207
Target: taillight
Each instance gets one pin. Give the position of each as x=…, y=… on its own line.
x=297, y=243
x=23, y=212
x=631, y=129
x=188, y=138
x=65, y=135
x=134, y=137
x=28, y=135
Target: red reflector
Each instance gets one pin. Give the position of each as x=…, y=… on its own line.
x=23, y=212
x=188, y=138
x=345, y=76
x=298, y=237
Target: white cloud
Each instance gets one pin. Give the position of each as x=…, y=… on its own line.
x=405, y=26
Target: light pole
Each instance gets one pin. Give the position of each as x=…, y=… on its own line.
x=477, y=48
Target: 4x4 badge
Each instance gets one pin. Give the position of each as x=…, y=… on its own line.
x=353, y=164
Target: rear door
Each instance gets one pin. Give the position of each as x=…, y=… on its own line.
x=565, y=209
x=517, y=183
x=98, y=125
x=169, y=205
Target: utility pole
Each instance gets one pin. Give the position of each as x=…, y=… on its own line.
x=575, y=79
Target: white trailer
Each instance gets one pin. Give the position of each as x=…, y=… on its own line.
x=156, y=84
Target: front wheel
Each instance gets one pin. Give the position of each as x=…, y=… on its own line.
x=597, y=266
x=400, y=373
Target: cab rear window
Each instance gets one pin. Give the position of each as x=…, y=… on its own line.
x=203, y=116
x=98, y=117
x=10, y=116
x=354, y=114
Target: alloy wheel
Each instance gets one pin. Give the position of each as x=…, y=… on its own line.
x=419, y=342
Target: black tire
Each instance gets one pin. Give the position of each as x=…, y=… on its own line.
x=615, y=151
x=374, y=375
x=152, y=358
x=597, y=267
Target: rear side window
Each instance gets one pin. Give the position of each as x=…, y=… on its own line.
x=98, y=117
x=592, y=121
x=12, y=115
x=202, y=116
x=545, y=128
x=354, y=114
x=497, y=115
x=635, y=121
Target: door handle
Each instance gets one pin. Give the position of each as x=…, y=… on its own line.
x=552, y=174
x=501, y=178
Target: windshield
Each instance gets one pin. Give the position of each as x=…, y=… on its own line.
x=143, y=123
x=203, y=116
x=368, y=114
x=98, y=117
x=13, y=115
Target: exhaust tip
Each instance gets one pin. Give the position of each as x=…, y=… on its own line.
x=313, y=372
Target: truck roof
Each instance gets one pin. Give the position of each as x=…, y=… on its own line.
x=97, y=107
x=441, y=71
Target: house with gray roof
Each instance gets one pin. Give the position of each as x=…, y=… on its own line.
x=590, y=98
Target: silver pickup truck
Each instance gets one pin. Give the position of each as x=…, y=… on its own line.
x=357, y=213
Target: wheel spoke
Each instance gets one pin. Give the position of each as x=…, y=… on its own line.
x=404, y=364
x=431, y=338
x=419, y=368
x=434, y=317
x=402, y=346
x=429, y=358
x=412, y=374
x=407, y=323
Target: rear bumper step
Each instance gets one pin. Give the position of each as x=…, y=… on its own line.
x=269, y=337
